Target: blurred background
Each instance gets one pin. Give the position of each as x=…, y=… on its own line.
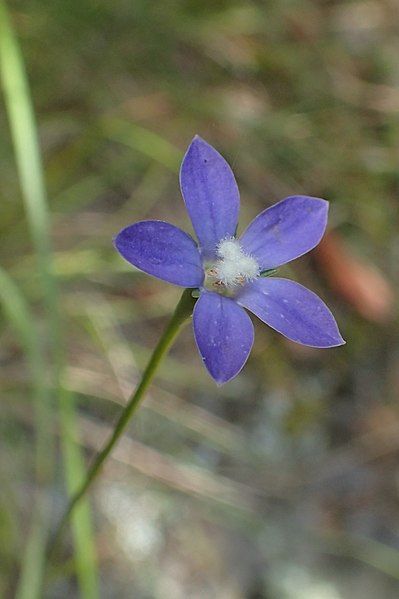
x=284, y=483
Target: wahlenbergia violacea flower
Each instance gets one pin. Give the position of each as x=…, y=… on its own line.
x=229, y=272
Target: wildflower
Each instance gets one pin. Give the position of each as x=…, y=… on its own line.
x=233, y=273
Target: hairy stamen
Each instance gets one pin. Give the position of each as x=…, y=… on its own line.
x=232, y=269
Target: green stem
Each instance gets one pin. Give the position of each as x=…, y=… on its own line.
x=180, y=316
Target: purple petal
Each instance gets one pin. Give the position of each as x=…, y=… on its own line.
x=210, y=193
x=162, y=250
x=292, y=310
x=286, y=230
x=224, y=334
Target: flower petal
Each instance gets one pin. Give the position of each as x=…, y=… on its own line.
x=162, y=250
x=286, y=230
x=210, y=193
x=292, y=310
x=224, y=334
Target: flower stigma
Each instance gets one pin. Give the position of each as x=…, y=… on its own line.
x=232, y=269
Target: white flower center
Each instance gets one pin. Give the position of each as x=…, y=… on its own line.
x=233, y=267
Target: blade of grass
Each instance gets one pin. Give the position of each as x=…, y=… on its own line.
x=25, y=139
x=18, y=313
x=143, y=140
x=369, y=551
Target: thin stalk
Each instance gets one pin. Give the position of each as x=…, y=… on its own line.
x=30, y=170
x=180, y=316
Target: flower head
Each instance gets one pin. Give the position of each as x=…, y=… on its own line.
x=229, y=271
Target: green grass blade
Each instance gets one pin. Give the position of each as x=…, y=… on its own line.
x=22, y=123
x=142, y=140
x=18, y=313
x=24, y=135
x=31, y=579
x=85, y=555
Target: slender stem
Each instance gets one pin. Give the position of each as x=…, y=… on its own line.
x=180, y=316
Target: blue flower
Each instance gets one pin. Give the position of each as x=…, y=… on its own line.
x=229, y=271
